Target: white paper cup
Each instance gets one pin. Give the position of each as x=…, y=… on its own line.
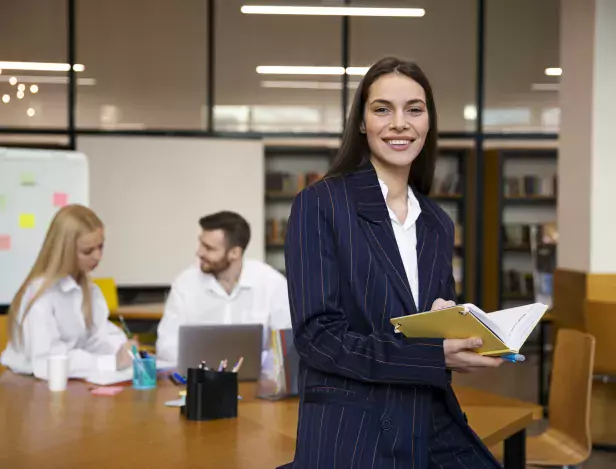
x=57, y=372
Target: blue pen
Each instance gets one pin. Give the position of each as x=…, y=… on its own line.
x=179, y=378
x=513, y=357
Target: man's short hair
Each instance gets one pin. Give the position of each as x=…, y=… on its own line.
x=235, y=227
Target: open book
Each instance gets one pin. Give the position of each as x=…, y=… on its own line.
x=502, y=331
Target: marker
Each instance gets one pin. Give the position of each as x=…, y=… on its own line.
x=127, y=331
x=513, y=357
x=177, y=378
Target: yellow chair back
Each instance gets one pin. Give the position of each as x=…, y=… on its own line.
x=110, y=291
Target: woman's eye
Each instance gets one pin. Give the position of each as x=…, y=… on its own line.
x=380, y=110
x=416, y=110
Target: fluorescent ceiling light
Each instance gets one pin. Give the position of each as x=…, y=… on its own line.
x=41, y=66
x=306, y=85
x=332, y=11
x=554, y=72
x=359, y=71
x=309, y=70
x=291, y=70
x=47, y=79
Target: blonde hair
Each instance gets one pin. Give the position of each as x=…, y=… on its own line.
x=56, y=260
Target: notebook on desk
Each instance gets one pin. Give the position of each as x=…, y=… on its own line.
x=502, y=332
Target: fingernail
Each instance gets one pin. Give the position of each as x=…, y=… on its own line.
x=478, y=342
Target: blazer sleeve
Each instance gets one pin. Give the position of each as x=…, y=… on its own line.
x=320, y=320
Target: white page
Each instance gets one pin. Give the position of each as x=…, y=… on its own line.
x=488, y=321
x=517, y=323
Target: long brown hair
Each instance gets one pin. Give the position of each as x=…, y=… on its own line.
x=56, y=260
x=354, y=149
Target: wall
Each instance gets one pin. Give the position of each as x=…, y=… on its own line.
x=150, y=193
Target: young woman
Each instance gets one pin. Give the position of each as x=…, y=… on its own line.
x=58, y=310
x=364, y=245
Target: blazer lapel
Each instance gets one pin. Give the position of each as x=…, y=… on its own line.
x=376, y=224
x=427, y=254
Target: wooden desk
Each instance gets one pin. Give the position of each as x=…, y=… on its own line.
x=144, y=312
x=135, y=429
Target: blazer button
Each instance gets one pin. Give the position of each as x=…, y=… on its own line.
x=386, y=423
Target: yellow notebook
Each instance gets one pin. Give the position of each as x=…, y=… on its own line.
x=502, y=331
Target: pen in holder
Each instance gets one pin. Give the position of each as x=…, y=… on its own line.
x=210, y=395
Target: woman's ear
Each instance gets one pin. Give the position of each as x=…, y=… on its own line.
x=362, y=128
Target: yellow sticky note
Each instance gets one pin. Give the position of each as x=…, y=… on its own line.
x=26, y=220
x=27, y=179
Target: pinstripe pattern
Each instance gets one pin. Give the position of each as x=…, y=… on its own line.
x=369, y=398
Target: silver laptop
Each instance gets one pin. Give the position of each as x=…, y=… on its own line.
x=213, y=343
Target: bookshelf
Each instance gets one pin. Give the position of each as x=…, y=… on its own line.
x=291, y=168
x=519, y=213
x=288, y=170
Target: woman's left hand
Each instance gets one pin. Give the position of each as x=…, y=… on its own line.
x=440, y=303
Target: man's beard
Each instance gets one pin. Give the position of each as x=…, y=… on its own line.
x=216, y=268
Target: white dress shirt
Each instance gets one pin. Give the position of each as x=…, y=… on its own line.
x=55, y=325
x=260, y=297
x=406, y=238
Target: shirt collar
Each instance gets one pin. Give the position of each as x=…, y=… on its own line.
x=67, y=284
x=247, y=278
x=414, y=209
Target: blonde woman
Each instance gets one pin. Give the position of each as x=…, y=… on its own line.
x=58, y=310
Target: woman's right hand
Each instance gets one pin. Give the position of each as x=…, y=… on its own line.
x=123, y=358
x=460, y=357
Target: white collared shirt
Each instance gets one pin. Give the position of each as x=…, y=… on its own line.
x=260, y=297
x=406, y=238
x=55, y=325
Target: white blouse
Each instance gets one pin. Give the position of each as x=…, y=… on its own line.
x=55, y=325
x=406, y=238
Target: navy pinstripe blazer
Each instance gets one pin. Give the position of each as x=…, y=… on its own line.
x=365, y=393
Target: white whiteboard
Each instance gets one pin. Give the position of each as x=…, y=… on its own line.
x=34, y=184
x=151, y=191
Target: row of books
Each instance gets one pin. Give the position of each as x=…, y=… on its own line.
x=519, y=234
x=451, y=184
x=518, y=284
x=530, y=185
x=275, y=230
x=289, y=183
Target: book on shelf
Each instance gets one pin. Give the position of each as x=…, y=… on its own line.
x=289, y=183
x=450, y=184
x=458, y=235
x=530, y=186
x=518, y=284
x=502, y=332
x=518, y=235
x=276, y=230
x=544, y=259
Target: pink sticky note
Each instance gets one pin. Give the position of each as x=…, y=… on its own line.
x=5, y=242
x=60, y=199
x=107, y=391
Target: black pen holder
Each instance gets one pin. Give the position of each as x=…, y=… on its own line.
x=210, y=395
